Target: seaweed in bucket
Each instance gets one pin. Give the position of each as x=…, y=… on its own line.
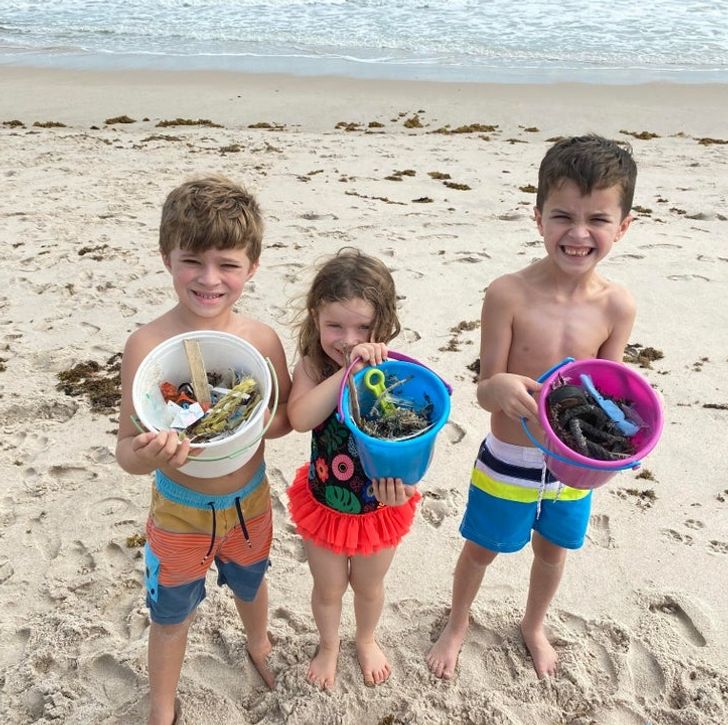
x=590, y=423
x=390, y=417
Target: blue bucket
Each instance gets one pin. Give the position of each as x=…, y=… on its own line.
x=407, y=458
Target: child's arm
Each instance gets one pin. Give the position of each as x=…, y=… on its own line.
x=498, y=389
x=621, y=312
x=311, y=402
x=271, y=347
x=136, y=452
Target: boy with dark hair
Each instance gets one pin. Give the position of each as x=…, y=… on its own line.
x=557, y=307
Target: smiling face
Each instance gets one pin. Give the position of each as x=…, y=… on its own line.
x=578, y=229
x=342, y=325
x=209, y=283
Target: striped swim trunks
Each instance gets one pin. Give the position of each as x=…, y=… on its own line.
x=188, y=530
x=506, y=493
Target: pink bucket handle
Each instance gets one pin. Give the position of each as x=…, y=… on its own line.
x=395, y=356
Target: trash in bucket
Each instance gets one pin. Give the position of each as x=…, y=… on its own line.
x=227, y=442
x=420, y=399
x=599, y=417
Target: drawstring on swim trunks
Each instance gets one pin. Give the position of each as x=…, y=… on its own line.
x=541, y=489
x=214, y=530
x=242, y=521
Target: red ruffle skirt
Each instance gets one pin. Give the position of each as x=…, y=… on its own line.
x=343, y=533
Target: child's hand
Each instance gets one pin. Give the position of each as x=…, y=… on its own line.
x=514, y=395
x=162, y=449
x=391, y=491
x=371, y=353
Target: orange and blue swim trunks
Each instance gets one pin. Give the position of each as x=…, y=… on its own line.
x=187, y=531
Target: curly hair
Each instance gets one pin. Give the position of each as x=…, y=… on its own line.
x=591, y=162
x=349, y=274
x=211, y=212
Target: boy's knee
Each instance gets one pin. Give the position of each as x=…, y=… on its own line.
x=177, y=629
x=478, y=555
x=547, y=552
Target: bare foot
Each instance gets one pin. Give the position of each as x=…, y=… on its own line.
x=373, y=663
x=542, y=653
x=322, y=670
x=259, y=657
x=443, y=656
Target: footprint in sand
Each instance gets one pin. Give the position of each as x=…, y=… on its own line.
x=108, y=509
x=221, y=677
x=676, y=536
x=718, y=547
x=44, y=538
x=660, y=246
x=687, y=277
x=299, y=625
x=30, y=444
x=100, y=454
x=410, y=336
x=667, y=605
x=648, y=677
x=694, y=524
x=57, y=411
x=437, y=505
x=117, y=681
x=600, y=532
x=6, y=570
x=454, y=432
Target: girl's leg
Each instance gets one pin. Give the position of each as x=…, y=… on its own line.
x=546, y=570
x=255, y=621
x=367, y=581
x=468, y=576
x=166, y=651
x=330, y=579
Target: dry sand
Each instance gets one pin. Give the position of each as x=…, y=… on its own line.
x=640, y=621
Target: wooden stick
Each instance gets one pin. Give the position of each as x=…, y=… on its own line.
x=353, y=394
x=198, y=375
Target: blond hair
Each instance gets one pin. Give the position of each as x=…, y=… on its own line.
x=211, y=212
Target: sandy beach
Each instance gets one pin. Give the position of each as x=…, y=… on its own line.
x=437, y=180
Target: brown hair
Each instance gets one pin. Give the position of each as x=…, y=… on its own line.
x=211, y=213
x=349, y=274
x=591, y=162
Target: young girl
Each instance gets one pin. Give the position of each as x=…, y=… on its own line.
x=350, y=525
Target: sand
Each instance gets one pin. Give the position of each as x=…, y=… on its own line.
x=640, y=621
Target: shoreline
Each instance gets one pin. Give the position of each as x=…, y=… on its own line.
x=348, y=67
x=312, y=103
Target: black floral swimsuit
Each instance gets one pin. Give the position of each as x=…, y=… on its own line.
x=336, y=477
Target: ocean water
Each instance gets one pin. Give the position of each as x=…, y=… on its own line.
x=619, y=41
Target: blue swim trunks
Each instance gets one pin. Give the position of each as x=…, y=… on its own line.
x=502, y=507
x=187, y=531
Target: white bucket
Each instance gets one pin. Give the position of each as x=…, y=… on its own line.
x=220, y=351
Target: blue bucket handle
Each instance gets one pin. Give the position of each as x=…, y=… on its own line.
x=390, y=354
x=524, y=423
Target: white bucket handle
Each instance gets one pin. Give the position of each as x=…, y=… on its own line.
x=254, y=442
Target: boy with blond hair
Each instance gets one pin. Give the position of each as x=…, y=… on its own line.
x=557, y=307
x=210, y=240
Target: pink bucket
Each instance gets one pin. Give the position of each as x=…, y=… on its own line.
x=613, y=380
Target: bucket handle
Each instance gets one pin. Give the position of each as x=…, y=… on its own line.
x=524, y=423
x=257, y=439
x=390, y=354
